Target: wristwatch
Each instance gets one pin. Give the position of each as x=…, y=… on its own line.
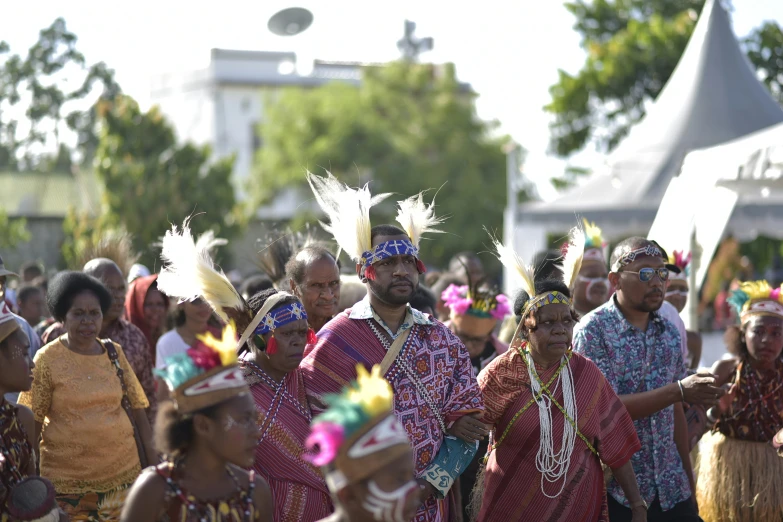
x=639, y=503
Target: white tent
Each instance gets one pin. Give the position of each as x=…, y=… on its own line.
x=712, y=97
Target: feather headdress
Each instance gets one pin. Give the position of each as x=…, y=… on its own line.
x=756, y=298
x=277, y=247
x=512, y=261
x=417, y=218
x=348, y=212
x=189, y=273
x=593, y=235
x=572, y=259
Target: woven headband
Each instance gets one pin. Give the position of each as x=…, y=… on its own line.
x=396, y=247
x=630, y=257
x=280, y=317
x=543, y=300
x=268, y=305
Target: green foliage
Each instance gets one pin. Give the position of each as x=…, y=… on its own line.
x=12, y=231
x=569, y=178
x=632, y=48
x=407, y=128
x=32, y=86
x=151, y=181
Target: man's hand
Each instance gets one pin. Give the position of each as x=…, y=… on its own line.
x=700, y=389
x=469, y=428
x=426, y=490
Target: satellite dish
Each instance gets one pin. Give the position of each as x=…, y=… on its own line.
x=290, y=22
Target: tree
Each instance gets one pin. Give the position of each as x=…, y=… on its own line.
x=632, y=48
x=151, y=181
x=12, y=231
x=31, y=86
x=406, y=128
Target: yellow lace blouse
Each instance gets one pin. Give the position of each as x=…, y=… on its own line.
x=87, y=443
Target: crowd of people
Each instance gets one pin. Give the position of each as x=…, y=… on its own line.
x=391, y=393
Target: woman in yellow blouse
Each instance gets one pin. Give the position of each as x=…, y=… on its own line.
x=87, y=444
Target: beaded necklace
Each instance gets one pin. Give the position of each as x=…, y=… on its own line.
x=260, y=373
x=191, y=506
x=756, y=397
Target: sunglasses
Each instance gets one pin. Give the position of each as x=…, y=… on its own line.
x=646, y=274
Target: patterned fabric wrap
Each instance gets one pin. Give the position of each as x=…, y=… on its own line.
x=436, y=358
x=398, y=247
x=281, y=317
x=636, y=361
x=512, y=481
x=298, y=487
x=14, y=440
x=645, y=251
x=546, y=299
x=99, y=507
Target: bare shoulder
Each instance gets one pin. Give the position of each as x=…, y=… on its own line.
x=145, y=498
x=723, y=369
x=27, y=419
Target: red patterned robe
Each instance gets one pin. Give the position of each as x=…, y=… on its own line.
x=298, y=488
x=512, y=481
x=436, y=358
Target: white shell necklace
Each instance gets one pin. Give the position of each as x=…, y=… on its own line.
x=554, y=466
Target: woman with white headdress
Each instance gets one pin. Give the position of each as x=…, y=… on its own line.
x=555, y=417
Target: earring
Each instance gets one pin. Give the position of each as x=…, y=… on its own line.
x=311, y=337
x=271, y=346
x=420, y=266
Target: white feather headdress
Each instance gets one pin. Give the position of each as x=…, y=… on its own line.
x=348, y=211
x=189, y=272
x=511, y=260
x=417, y=218
x=572, y=261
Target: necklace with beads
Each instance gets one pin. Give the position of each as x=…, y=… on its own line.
x=261, y=374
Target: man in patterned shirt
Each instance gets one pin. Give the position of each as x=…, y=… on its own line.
x=639, y=353
x=127, y=335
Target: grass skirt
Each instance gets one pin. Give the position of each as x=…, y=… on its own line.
x=739, y=481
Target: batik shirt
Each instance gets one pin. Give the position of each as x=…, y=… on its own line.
x=634, y=361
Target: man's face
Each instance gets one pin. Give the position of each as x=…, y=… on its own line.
x=677, y=293
x=33, y=308
x=396, y=277
x=113, y=280
x=320, y=290
x=592, y=286
x=644, y=296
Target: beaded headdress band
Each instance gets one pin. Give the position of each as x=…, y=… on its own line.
x=281, y=317
x=348, y=211
x=358, y=434
x=757, y=298
x=206, y=374
x=626, y=259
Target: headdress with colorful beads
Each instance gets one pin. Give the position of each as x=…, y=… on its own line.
x=348, y=210
x=358, y=434
x=206, y=374
x=756, y=298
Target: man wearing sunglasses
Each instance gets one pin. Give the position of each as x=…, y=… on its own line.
x=639, y=353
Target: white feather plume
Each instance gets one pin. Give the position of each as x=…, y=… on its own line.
x=348, y=210
x=207, y=242
x=572, y=261
x=417, y=218
x=511, y=260
x=189, y=271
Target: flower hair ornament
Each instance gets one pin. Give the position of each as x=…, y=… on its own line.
x=756, y=298
x=682, y=263
x=358, y=434
x=206, y=374
x=348, y=212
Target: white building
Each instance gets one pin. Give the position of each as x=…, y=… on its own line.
x=222, y=105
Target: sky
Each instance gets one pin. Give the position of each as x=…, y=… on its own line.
x=508, y=50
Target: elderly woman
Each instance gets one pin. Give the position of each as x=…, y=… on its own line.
x=740, y=477
x=89, y=449
x=555, y=417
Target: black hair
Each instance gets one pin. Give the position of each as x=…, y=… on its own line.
x=174, y=433
x=629, y=245
x=296, y=267
x=65, y=286
x=31, y=266
x=459, y=260
x=548, y=264
x=444, y=282
x=26, y=291
x=41, y=282
x=254, y=284
x=552, y=284
x=256, y=303
x=386, y=230
x=423, y=298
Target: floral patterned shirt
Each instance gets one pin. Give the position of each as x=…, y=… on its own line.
x=635, y=361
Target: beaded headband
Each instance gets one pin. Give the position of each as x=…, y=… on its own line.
x=628, y=258
x=397, y=247
x=543, y=300
x=280, y=317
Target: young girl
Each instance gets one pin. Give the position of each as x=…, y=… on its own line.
x=209, y=432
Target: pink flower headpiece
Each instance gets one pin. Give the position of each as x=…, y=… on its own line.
x=461, y=300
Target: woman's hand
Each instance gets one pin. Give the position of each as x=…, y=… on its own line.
x=469, y=429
